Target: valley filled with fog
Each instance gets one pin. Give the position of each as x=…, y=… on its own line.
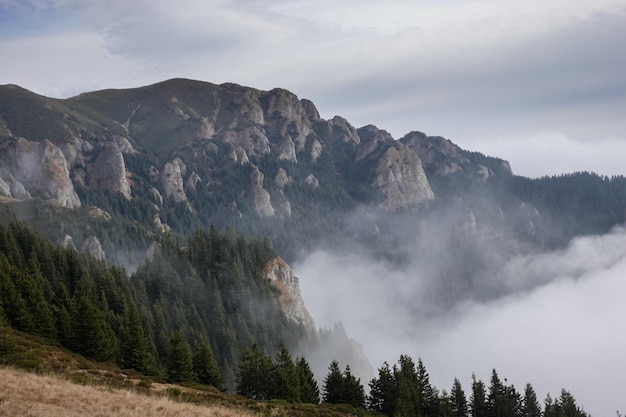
x=551, y=317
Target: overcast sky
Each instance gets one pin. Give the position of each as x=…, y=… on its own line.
x=540, y=83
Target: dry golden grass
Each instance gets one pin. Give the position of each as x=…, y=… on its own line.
x=24, y=394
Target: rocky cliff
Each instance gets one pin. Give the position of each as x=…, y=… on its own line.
x=290, y=299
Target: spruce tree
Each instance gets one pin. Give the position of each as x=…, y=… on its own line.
x=458, y=400
x=92, y=335
x=409, y=402
x=309, y=391
x=205, y=366
x=428, y=394
x=383, y=392
x=352, y=391
x=286, y=384
x=333, y=384
x=134, y=351
x=254, y=374
x=531, y=407
x=478, y=399
x=179, y=360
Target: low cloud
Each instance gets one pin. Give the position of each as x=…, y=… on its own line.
x=556, y=321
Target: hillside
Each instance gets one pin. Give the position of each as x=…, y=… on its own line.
x=154, y=228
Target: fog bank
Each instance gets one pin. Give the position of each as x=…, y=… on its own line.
x=556, y=322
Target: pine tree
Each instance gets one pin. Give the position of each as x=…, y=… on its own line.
x=531, y=407
x=352, y=391
x=92, y=335
x=179, y=360
x=428, y=394
x=478, y=399
x=134, y=351
x=331, y=392
x=254, y=374
x=383, y=392
x=286, y=384
x=205, y=366
x=458, y=400
x=309, y=391
x=409, y=403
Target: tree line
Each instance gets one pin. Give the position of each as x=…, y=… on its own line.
x=208, y=296
x=186, y=315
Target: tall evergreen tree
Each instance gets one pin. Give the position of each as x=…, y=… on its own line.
x=179, y=360
x=286, y=384
x=352, y=391
x=331, y=392
x=205, y=366
x=478, y=399
x=409, y=403
x=254, y=374
x=531, y=407
x=383, y=392
x=134, y=351
x=92, y=335
x=428, y=395
x=458, y=400
x=309, y=391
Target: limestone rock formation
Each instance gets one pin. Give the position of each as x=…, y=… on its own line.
x=441, y=157
x=42, y=168
x=260, y=196
x=400, y=176
x=172, y=182
x=282, y=179
x=343, y=131
x=290, y=299
x=92, y=247
x=109, y=171
x=5, y=188
x=373, y=139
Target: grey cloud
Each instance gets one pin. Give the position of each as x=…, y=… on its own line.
x=553, y=319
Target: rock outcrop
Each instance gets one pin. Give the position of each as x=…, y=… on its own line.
x=290, y=299
x=92, y=247
x=109, y=171
x=172, y=182
x=260, y=197
x=43, y=170
x=400, y=176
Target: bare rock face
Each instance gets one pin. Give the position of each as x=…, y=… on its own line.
x=251, y=141
x=109, y=171
x=172, y=182
x=316, y=150
x=312, y=181
x=286, y=115
x=290, y=299
x=400, y=176
x=156, y=196
x=287, y=150
x=123, y=144
x=192, y=183
x=310, y=110
x=5, y=188
x=43, y=169
x=282, y=179
x=260, y=196
x=373, y=138
x=91, y=246
x=19, y=192
x=343, y=131
x=441, y=157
